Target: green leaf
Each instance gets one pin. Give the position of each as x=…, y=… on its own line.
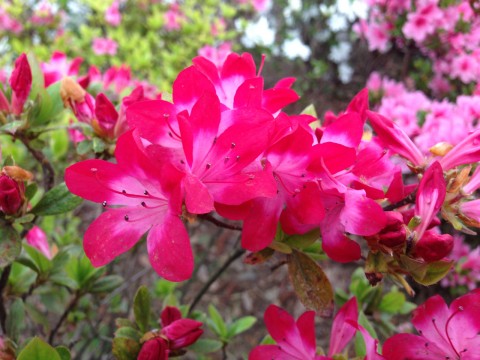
x=44, y=265
x=63, y=352
x=310, y=283
x=310, y=110
x=106, y=284
x=141, y=308
x=360, y=348
x=38, y=82
x=84, y=147
x=435, y=272
x=392, y=302
x=37, y=316
x=28, y=218
x=205, y=346
x=98, y=145
x=241, y=325
x=38, y=349
x=303, y=241
x=58, y=200
x=125, y=348
x=281, y=247
x=217, y=323
x=15, y=319
x=10, y=245
x=128, y=332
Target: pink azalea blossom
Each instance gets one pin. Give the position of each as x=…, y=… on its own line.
x=113, y=15
x=444, y=332
x=59, y=67
x=173, y=18
x=466, y=68
x=104, y=46
x=148, y=203
x=37, y=238
x=216, y=55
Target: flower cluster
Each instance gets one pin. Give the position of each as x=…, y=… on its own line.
x=446, y=32
x=224, y=144
x=444, y=333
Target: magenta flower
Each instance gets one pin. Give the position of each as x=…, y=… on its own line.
x=296, y=340
x=430, y=197
x=444, y=332
x=21, y=83
x=147, y=203
x=59, y=67
x=37, y=238
x=395, y=139
x=113, y=15
x=104, y=46
x=176, y=333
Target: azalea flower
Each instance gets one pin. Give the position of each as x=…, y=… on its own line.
x=176, y=333
x=296, y=340
x=37, y=238
x=144, y=200
x=444, y=332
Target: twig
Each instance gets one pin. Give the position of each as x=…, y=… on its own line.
x=3, y=284
x=214, y=277
x=69, y=308
x=219, y=223
x=407, y=200
x=47, y=168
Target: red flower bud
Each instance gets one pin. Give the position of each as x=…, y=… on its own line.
x=106, y=117
x=169, y=315
x=182, y=332
x=4, y=105
x=11, y=195
x=154, y=349
x=433, y=246
x=394, y=233
x=21, y=83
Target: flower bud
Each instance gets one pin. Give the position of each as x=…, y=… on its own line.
x=393, y=234
x=37, y=238
x=182, y=332
x=154, y=349
x=11, y=195
x=21, y=83
x=169, y=315
x=433, y=246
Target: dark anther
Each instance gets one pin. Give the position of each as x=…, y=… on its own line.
x=208, y=166
x=145, y=192
x=233, y=145
x=126, y=217
x=143, y=204
x=238, y=157
x=124, y=192
x=104, y=203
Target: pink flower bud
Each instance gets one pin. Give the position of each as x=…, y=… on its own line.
x=21, y=83
x=169, y=315
x=106, y=117
x=154, y=349
x=433, y=246
x=394, y=233
x=11, y=195
x=37, y=238
x=182, y=332
x=430, y=196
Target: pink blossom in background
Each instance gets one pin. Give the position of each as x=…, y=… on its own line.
x=58, y=67
x=37, y=238
x=218, y=26
x=377, y=36
x=43, y=15
x=3, y=76
x=113, y=15
x=104, y=46
x=466, y=68
x=173, y=18
x=216, y=54
x=9, y=24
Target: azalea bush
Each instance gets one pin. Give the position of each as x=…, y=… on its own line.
x=123, y=205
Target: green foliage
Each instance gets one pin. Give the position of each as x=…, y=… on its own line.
x=57, y=201
x=37, y=349
x=227, y=331
x=141, y=308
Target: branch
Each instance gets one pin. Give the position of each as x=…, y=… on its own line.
x=219, y=223
x=407, y=200
x=3, y=284
x=214, y=277
x=47, y=168
x=69, y=308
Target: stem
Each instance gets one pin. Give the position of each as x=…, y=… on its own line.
x=3, y=284
x=47, y=168
x=214, y=277
x=407, y=200
x=219, y=223
x=69, y=308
